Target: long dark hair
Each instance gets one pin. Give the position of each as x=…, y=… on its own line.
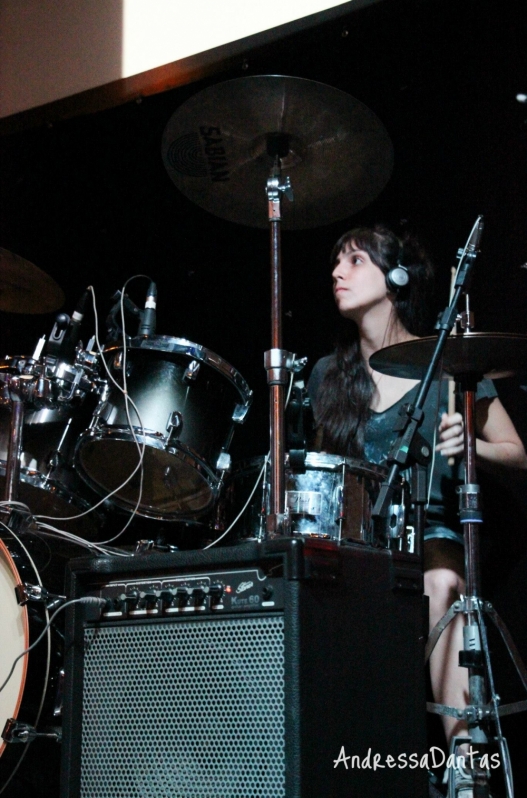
x=345, y=394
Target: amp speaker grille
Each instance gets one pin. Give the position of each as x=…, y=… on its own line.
x=189, y=709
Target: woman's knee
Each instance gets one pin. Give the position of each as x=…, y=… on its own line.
x=442, y=585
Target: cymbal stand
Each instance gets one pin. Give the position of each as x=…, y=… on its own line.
x=15, y=391
x=14, y=450
x=13, y=397
x=475, y=653
x=278, y=363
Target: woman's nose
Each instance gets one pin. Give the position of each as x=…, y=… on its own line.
x=338, y=272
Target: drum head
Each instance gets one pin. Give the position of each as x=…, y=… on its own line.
x=175, y=485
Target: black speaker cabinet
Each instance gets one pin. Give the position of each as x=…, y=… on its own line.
x=285, y=669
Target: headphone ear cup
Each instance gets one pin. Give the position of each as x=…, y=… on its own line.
x=397, y=278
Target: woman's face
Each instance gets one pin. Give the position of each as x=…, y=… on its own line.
x=358, y=283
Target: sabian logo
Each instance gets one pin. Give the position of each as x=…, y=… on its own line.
x=215, y=152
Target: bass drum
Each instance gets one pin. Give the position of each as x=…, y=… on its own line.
x=331, y=497
x=33, y=694
x=189, y=401
x=48, y=482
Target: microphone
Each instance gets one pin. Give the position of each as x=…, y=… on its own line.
x=147, y=325
x=76, y=318
x=475, y=236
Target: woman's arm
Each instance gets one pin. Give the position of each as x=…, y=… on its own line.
x=497, y=442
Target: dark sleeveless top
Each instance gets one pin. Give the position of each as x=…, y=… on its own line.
x=379, y=435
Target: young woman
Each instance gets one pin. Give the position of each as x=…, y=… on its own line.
x=356, y=409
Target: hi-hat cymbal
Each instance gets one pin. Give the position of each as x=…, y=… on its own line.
x=24, y=288
x=336, y=151
x=492, y=355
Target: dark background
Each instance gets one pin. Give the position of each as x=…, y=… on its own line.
x=88, y=201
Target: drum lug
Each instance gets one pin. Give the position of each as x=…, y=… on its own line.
x=54, y=460
x=410, y=540
x=42, y=391
x=223, y=462
x=192, y=371
x=240, y=412
x=174, y=426
x=16, y=732
x=118, y=363
x=26, y=592
x=104, y=393
x=169, y=481
x=340, y=504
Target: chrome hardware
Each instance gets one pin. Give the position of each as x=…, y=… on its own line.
x=192, y=371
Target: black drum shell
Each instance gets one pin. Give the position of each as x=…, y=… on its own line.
x=186, y=422
x=49, y=484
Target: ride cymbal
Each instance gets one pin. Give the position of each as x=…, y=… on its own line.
x=492, y=355
x=24, y=288
x=220, y=145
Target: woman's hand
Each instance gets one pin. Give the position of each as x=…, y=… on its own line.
x=450, y=435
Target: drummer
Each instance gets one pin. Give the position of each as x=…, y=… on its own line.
x=356, y=409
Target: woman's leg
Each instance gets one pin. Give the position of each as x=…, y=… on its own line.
x=443, y=585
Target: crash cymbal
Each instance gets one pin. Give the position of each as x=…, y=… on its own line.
x=336, y=151
x=492, y=355
x=24, y=288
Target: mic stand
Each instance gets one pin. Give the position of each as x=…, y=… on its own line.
x=402, y=453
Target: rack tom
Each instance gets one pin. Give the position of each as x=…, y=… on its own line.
x=189, y=401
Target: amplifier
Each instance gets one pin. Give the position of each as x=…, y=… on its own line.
x=289, y=668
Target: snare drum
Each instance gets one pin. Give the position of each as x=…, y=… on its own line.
x=32, y=695
x=332, y=498
x=189, y=401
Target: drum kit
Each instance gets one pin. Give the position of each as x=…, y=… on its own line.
x=145, y=423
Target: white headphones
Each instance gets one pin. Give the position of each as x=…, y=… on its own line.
x=397, y=278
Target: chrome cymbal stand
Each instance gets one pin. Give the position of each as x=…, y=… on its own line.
x=17, y=388
x=14, y=450
x=278, y=363
x=475, y=655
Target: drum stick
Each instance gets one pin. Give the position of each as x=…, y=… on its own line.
x=451, y=381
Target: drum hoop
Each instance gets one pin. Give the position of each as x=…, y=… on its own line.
x=323, y=461
x=14, y=570
x=181, y=346
x=123, y=434
x=335, y=462
x=149, y=438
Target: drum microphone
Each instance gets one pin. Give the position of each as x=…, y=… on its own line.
x=147, y=325
x=475, y=236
